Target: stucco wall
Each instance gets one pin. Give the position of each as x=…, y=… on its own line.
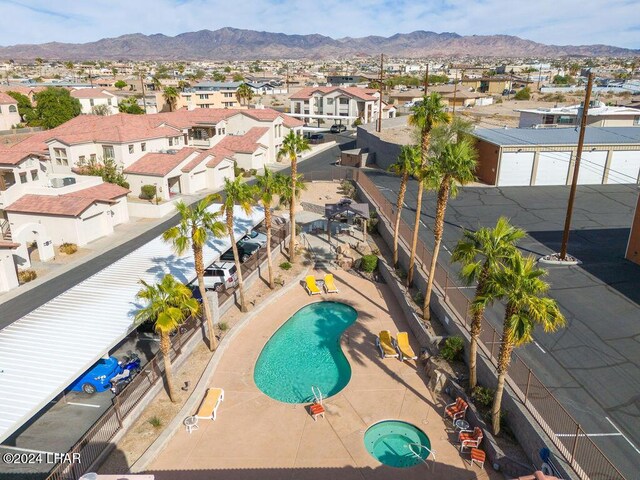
x=9, y=119
x=386, y=153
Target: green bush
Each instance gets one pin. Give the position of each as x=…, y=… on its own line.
x=27, y=275
x=368, y=263
x=148, y=192
x=68, y=248
x=402, y=275
x=253, y=172
x=483, y=395
x=237, y=171
x=524, y=94
x=285, y=266
x=418, y=298
x=223, y=326
x=452, y=349
x=155, y=422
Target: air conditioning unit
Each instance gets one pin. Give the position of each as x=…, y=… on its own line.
x=57, y=182
x=68, y=181
x=172, y=151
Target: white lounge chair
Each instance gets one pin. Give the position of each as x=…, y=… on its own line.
x=208, y=408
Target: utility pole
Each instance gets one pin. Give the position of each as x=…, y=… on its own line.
x=539, y=75
x=576, y=169
x=455, y=89
x=380, y=107
x=144, y=97
x=426, y=80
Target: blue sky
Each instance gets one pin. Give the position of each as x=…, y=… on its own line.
x=562, y=22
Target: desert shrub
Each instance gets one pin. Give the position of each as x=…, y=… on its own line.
x=253, y=172
x=368, y=263
x=223, y=326
x=452, y=349
x=347, y=189
x=285, y=266
x=155, y=422
x=402, y=275
x=148, y=192
x=418, y=298
x=483, y=395
x=523, y=94
x=25, y=276
x=68, y=248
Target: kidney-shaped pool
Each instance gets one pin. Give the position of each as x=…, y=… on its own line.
x=306, y=352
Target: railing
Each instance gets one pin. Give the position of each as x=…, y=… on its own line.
x=581, y=453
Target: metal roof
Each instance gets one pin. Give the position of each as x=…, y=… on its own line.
x=558, y=136
x=43, y=352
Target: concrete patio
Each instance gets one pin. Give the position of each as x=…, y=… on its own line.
x=258, y=437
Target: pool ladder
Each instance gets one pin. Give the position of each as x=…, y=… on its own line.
x=430, y=453
x=317, y=395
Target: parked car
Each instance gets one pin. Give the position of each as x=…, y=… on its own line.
x=245, y=251
x=255, y=236
x=316, y=138
x=338, y=128
x=98, y=378
x=409, y=104
x=219, y=276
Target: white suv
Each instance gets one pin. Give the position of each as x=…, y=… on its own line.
x=220, y=276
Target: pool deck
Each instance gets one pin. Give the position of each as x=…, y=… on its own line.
x=255, y=436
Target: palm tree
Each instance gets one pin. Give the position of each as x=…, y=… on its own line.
x=197, y=225
x=408, y=160
x=292, y=146
x=170, y=95
x=168, y=304
x=286, y=192
x=426, y=115
x=236, y=192
x=244, y=94
x=481, y=254
x=267, y=186
x=424, y=176
x=455, y=164
x=520, y=284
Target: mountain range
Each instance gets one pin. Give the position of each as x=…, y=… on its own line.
x=237, y=44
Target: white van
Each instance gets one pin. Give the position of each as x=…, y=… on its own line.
x=220, y=276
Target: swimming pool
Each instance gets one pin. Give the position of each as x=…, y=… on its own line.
x=306, y=352
x=397, y=444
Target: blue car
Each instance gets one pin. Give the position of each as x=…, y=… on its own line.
x=97, y=378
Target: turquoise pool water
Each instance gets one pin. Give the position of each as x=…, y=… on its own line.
x=388, y=442
x=306, y=352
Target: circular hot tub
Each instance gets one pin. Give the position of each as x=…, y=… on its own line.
x=397, y=444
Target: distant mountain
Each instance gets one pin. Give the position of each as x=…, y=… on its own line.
x=236, y=44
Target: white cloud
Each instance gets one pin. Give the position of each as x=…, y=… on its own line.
x=575, y=22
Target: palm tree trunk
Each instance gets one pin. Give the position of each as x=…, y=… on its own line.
x=292, y=209
x=476, y=328
x=438, y=227
x=267, y=221
x=424, y=147
x=504, y=359
x=165, y=348
x=236, y=258
x=396, y=227
x=416, y=228
x=199, y=264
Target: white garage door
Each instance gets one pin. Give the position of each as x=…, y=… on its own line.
x=553, y=168
x=199, y=181
x=93, y=227
x=515, y=169
x=624, y=167
x=592, y=168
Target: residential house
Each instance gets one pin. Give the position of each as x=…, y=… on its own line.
x=599, y=115
x=495, y=85
x=349, y=80
x=343, y=105
x=267, y=88
x=210, y=95
x=92, y=98
x=9, y=116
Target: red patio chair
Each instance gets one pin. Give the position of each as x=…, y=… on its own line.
x=470, y=438
x=456, y=410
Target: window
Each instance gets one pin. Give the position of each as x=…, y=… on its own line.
x=171, y=141
x=177, y=140
x=109, y=101
x=344, y=101
x=203, y=96
x=565, y=120
x=23, y=177
x=143, y=147
x=92, y=157
x=130, y=148
x=60, y=155
x=329, y=101
x=636, y=121
x=91, y=102
x=547, y=119
x=81, y=159
x=107, y=152
x=12, y=109
x=228, y=95
x=34, y=175
x=228, y=104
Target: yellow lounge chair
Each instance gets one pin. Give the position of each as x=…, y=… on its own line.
x=310, y=285
x=403, y=347
x=208, y=408
x=329, y=284
x=384, y=342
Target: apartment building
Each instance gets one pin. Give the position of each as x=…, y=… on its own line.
x=96, y=100
x=325, y=106
x=9, y=116
x=599, y=115
x=210, y=95
x=495, y=85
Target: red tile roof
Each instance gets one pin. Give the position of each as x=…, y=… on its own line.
x=90, y=93
x=6, y=99
x=196, y=161
x=104, y=192
x=247, y=143
x=219, y=153
x=13, y=156
x=50, y=205
x=159, y=164
x=266, y=114
x=361, y=93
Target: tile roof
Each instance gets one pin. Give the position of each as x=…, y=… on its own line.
x=6, y=99
x=159, y=164
x=247, y=143
x=90, y=93
x=361, y=93
x=13, y=156
x=265, y=114
x=104, y=192
x=50, y=205
x=196, y=161
x=219, y=153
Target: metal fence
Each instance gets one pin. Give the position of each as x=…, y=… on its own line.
x=580, y=452
x=94, y=442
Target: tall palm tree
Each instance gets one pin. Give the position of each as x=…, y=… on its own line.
x=422, y=173
x=455, y=164
x=481, y=254
x=520, y=284
x=244, y=94
x=408, y=160
x=236, y=192
x=197, y=225
x=292, y=146
x=268, y=186
x=168, y=304
x=286, y=192
x=170, y=95
x=425, y=116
